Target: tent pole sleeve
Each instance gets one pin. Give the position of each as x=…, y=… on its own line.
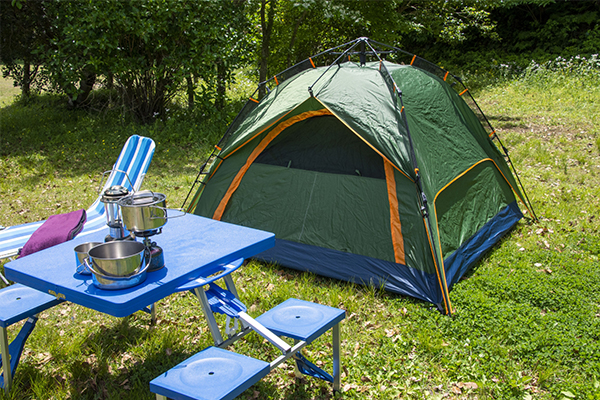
x=395, y=223
x=425, y=208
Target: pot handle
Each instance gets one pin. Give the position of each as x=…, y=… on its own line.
x=152, y=216
x=110, y=172
x=119, y=278
x=81, y=268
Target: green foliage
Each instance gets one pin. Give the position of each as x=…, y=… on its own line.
x=144, y=48
x=523, y=30
x=304, y=28
x=147, y=49
x=23, y=28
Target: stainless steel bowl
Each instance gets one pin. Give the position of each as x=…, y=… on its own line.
x=117, y=259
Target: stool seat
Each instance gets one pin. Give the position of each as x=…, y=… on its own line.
x=300, y=319
x=211, y=374
x=19, y=302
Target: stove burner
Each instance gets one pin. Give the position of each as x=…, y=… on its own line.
x=147, y=234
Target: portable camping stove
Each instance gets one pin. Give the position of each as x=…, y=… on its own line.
x=157, y=260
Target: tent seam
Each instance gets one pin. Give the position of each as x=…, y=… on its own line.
x=436, y=216
x=307, y=207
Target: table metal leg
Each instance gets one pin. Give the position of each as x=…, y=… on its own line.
x=336, y=357
x=208, y=314
x=161, y=397
x=5, y=359
x=153, y=314
x=231, y=287
x=4, y=279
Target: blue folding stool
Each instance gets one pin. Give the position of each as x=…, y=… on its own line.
x=217, y=374
x=304, y=322
x=212, y=374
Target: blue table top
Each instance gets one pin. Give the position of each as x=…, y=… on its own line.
x=193, y=247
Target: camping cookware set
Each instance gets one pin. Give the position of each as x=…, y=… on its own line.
x=122, y=262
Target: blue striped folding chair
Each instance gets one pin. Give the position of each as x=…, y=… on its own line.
x=129, y=171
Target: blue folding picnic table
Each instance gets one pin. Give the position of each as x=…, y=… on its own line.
x=195, y=248
x=197, y=251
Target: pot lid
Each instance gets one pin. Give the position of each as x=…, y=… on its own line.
x=143, y=198
x=114, y=193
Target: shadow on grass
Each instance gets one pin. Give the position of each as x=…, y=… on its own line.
x=44, y=136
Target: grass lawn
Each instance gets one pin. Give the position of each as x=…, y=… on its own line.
x=527, y=322
x=8, y=92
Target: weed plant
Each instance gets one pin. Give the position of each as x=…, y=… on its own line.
x=527, y=322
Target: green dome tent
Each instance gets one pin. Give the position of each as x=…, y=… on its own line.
x=372, y=172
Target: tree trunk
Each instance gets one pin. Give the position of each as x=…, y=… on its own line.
x=86, y=84
x=266, y=23
x=190, y=91
x=293, y=40
x=26, y=82
x=110, y=81
x=221, y=82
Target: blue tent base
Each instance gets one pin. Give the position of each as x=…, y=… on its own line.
x=460, y=261
x=396, y=278
x=390, y=276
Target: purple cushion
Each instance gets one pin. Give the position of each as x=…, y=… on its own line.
x=55, y=230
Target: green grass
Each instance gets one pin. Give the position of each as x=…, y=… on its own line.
x=527, y=322
x=8, y=92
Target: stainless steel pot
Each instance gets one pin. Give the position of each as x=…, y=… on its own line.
x=118, y=282
x=145, y=211
x=81, y=253
x=118, y=258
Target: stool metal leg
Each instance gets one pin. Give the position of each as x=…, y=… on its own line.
x=161, y=397
x=264, y=332
x=336, y=357
x=5, y=359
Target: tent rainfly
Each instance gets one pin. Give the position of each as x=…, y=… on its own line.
x=375, y=172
